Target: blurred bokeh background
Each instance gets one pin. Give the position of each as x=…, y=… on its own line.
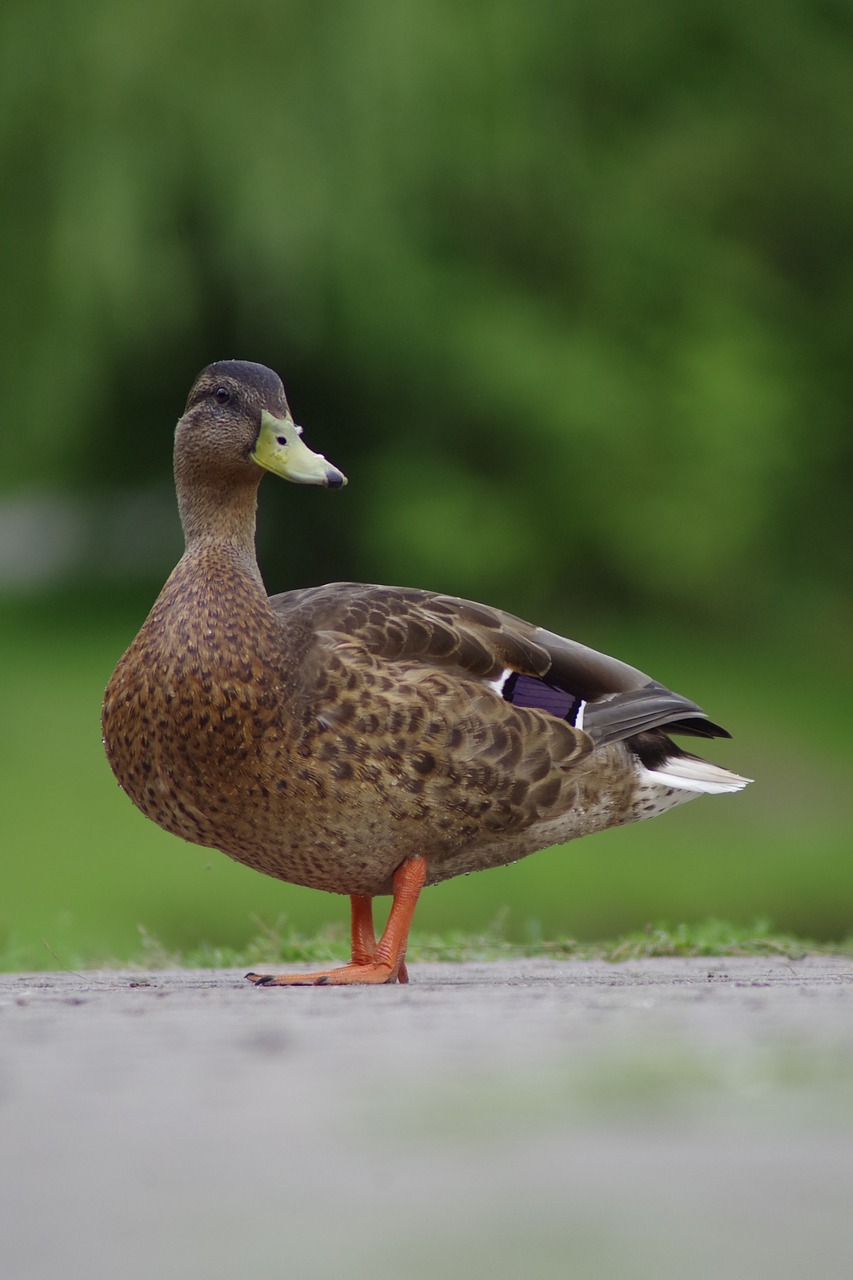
x=566, y=288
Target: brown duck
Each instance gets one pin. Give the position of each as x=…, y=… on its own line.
x=359, y=739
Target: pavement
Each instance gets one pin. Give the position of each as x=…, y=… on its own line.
x=535, y=1118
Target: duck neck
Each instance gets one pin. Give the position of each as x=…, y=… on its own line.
x=218, y=513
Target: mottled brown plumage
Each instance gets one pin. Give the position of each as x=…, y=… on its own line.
x=363, y=739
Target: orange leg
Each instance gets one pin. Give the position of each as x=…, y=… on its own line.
x=364, y=937
x=361, y=928
x=372, y=961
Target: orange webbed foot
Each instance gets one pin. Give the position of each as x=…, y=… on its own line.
x=346, y=975
x=372, y=962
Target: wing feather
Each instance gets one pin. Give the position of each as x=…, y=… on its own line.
x=398, y=624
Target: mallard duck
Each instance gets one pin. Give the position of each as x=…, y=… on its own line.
x=365, y=740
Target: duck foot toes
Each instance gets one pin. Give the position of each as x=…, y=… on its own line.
x=346, y=975
x=273, y=980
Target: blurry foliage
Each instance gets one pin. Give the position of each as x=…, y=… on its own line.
x=566, y=288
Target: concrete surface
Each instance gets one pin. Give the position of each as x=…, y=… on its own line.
x=689, y=1118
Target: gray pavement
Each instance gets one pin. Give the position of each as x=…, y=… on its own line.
x=689, y=1118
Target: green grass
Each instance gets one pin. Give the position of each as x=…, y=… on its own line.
x=281, y=944
x=82, y=871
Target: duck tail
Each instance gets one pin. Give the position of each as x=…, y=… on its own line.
x=689, y=773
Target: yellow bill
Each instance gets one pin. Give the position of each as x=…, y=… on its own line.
x=280, y=449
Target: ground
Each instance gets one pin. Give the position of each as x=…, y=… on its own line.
x=662, y=1117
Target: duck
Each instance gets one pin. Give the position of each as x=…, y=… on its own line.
x=366, y=740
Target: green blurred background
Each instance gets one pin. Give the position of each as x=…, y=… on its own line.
x=565, y=288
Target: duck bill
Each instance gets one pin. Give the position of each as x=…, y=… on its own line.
x=279, y=448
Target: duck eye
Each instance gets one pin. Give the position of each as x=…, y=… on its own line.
x=222, y=394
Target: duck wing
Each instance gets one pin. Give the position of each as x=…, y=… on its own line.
x=526, y=665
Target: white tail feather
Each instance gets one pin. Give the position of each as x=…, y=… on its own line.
x=689, y=774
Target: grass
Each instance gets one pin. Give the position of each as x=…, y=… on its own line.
x=281, y=944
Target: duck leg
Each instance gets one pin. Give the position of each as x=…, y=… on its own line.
x=372, y=961
x=361, y=930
